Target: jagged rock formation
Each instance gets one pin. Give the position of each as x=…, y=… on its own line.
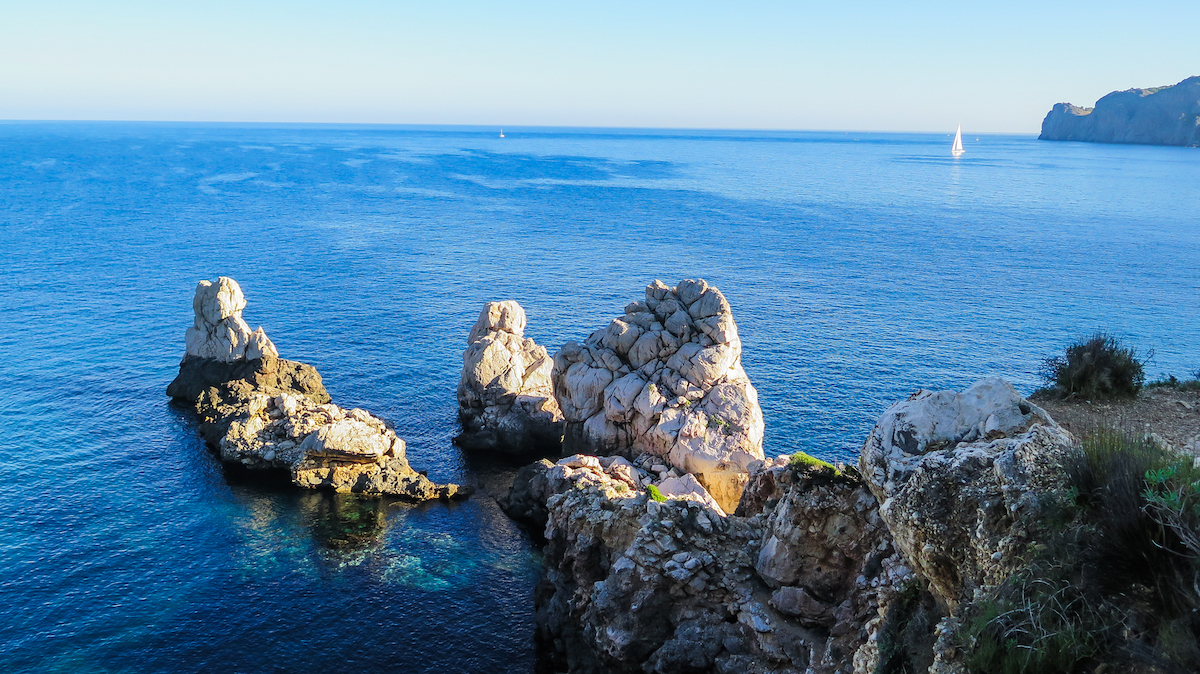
x=960, y=478
x=218, y=332
x=666, y=379
x=801, y=581
x=1158, y=116
x=265, y=412
x=505, y=398
x=821, y=568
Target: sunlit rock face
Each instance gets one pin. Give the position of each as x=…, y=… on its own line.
x=801, y=581
x=961, y=478
x=1158, y=116
x=218, y=331
x=264, y=412
x=666, y=378
x=505, y=399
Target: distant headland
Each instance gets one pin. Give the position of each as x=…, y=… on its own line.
x=1158, y=116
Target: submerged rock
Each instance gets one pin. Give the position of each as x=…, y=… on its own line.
x=268, y=413
x=666, y=379
x=505, y=398
x=961, y=479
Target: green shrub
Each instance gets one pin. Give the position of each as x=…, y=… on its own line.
x=1171, y=382
x=1172, y=498
x=655, y=493
x=801, y=461
x=717, y=422
x=1098, y=367
x=1036, y=624
x=1109, y=473
x=1112, y=577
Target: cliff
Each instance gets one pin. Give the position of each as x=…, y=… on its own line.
x=1159, y=116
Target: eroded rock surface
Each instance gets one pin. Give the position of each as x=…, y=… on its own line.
x=218, y=331
x=801, y=581
x=267, y=413
x=666, y=379
x=505, y=398
x=961, y=479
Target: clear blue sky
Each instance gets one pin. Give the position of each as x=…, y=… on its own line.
x=994, y=67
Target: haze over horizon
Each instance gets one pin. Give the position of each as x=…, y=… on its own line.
x=760, y=65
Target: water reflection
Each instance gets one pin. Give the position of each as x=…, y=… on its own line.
x=344, y=522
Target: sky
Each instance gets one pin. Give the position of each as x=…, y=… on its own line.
x=993, y=67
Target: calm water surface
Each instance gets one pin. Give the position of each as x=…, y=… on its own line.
x=860, y=267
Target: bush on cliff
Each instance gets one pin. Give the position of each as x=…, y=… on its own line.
x=1171, y=382
x=1116, y=582
x=1097, y=367
x=803, y=462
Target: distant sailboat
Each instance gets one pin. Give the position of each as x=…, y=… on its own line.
x=957, y=149
x=502, y=134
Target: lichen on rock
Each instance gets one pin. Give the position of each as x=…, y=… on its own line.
x=505, y=398
x=666, y=378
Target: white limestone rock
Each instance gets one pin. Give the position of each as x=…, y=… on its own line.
x=960, y=478
x=633, y=584
x=505, y=398
x=688, y=488
x=666, y=378
x=218, y=332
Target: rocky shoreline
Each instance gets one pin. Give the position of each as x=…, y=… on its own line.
x=672, y=543
x=821, y=568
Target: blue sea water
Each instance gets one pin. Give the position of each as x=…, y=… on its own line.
x=860, y=267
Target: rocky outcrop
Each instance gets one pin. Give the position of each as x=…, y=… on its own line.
x=801, y=581
x=505, y=398
x=218, y=331
x=961, y=479
x=666, y=379
x=1159, y=116
x=821, y=568
x=268, y=413
x=197, y=374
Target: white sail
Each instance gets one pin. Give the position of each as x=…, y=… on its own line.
x=957, y=149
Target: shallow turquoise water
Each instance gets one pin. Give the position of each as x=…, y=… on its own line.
x=860, y=268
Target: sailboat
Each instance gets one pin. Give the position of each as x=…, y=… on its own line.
x=957, y=148
x=502, y=134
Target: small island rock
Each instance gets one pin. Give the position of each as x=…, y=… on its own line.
x=505, y=398
x=264, y=412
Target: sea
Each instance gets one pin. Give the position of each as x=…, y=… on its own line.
x=861, y=267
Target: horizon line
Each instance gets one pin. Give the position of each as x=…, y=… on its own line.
x=479, y=126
